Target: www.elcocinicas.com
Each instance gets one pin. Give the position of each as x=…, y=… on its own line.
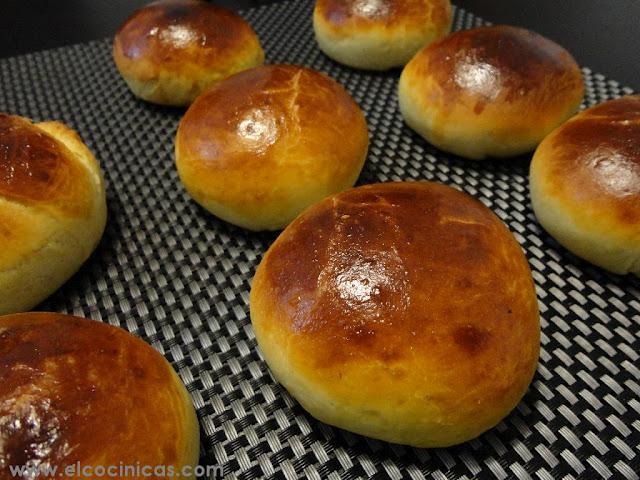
x=45, y=470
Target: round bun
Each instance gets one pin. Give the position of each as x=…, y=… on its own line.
x=52, y=209
x=378, y=34
x=585, y=185
x=76, y=390
x=171, y=51
x=260, y=147
x=402, y=311
x=489, y=92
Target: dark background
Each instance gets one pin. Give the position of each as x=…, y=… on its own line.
x=601, y=34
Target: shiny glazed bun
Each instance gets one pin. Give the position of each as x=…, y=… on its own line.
x=74, y=390
x=378, y=34
x=170, y=51
x=260, y=147
x=52, y=209
x=401, y=311
x=585, y=184
x=489, y=92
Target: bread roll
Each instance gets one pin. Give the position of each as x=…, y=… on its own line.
x=401, y=311
x=171, y=51
x=75, y=390
x=489, y=92
x=260, y=147
x=378, y=34
x=52, y=209
x=585, y=185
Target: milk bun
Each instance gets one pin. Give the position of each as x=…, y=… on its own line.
x=378, y=34
x=171, y=51
x=263, y=145
x=52, y=209
x=79, y=392
x=585, y=185
x=402, y=311
x=490, y=91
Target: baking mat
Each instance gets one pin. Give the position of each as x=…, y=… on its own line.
x=179, y=278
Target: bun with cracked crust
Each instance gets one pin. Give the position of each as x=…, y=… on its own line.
x=263, y=145
x=401, y=311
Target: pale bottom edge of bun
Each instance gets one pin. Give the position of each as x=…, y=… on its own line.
x=371, y=51
x=391, y=426
x=266, y=216
x=256, y=223
x=42, y=272
x=171, y=91
x=595, y=243
x=459, y=138
x=418, y=427
x=176, y=90
x=191, y=454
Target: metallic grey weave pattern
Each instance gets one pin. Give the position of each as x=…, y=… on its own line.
x=179, y=278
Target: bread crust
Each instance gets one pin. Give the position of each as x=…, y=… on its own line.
x=401, y=311
x=74, y=390
x=378, y=34
x=490, y=91
x=171, y=51
x=52, y=209
x=585, y=184
x=263, y=145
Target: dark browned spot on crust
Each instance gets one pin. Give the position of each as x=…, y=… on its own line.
x=68, y=393
x=464, y=283
x=34, y=167
x=479, y=107
x=470, y=338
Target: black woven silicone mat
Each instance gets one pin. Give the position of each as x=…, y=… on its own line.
x=179, y=278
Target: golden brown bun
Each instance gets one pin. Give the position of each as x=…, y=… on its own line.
x=490, y=91
x=378, y=34
x=401, y=311
x=74, y=390
x=52, y=209
x=260, y=147
x=171, y=51
x=585, y=184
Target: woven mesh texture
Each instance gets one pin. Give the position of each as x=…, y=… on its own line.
x=179, y=278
